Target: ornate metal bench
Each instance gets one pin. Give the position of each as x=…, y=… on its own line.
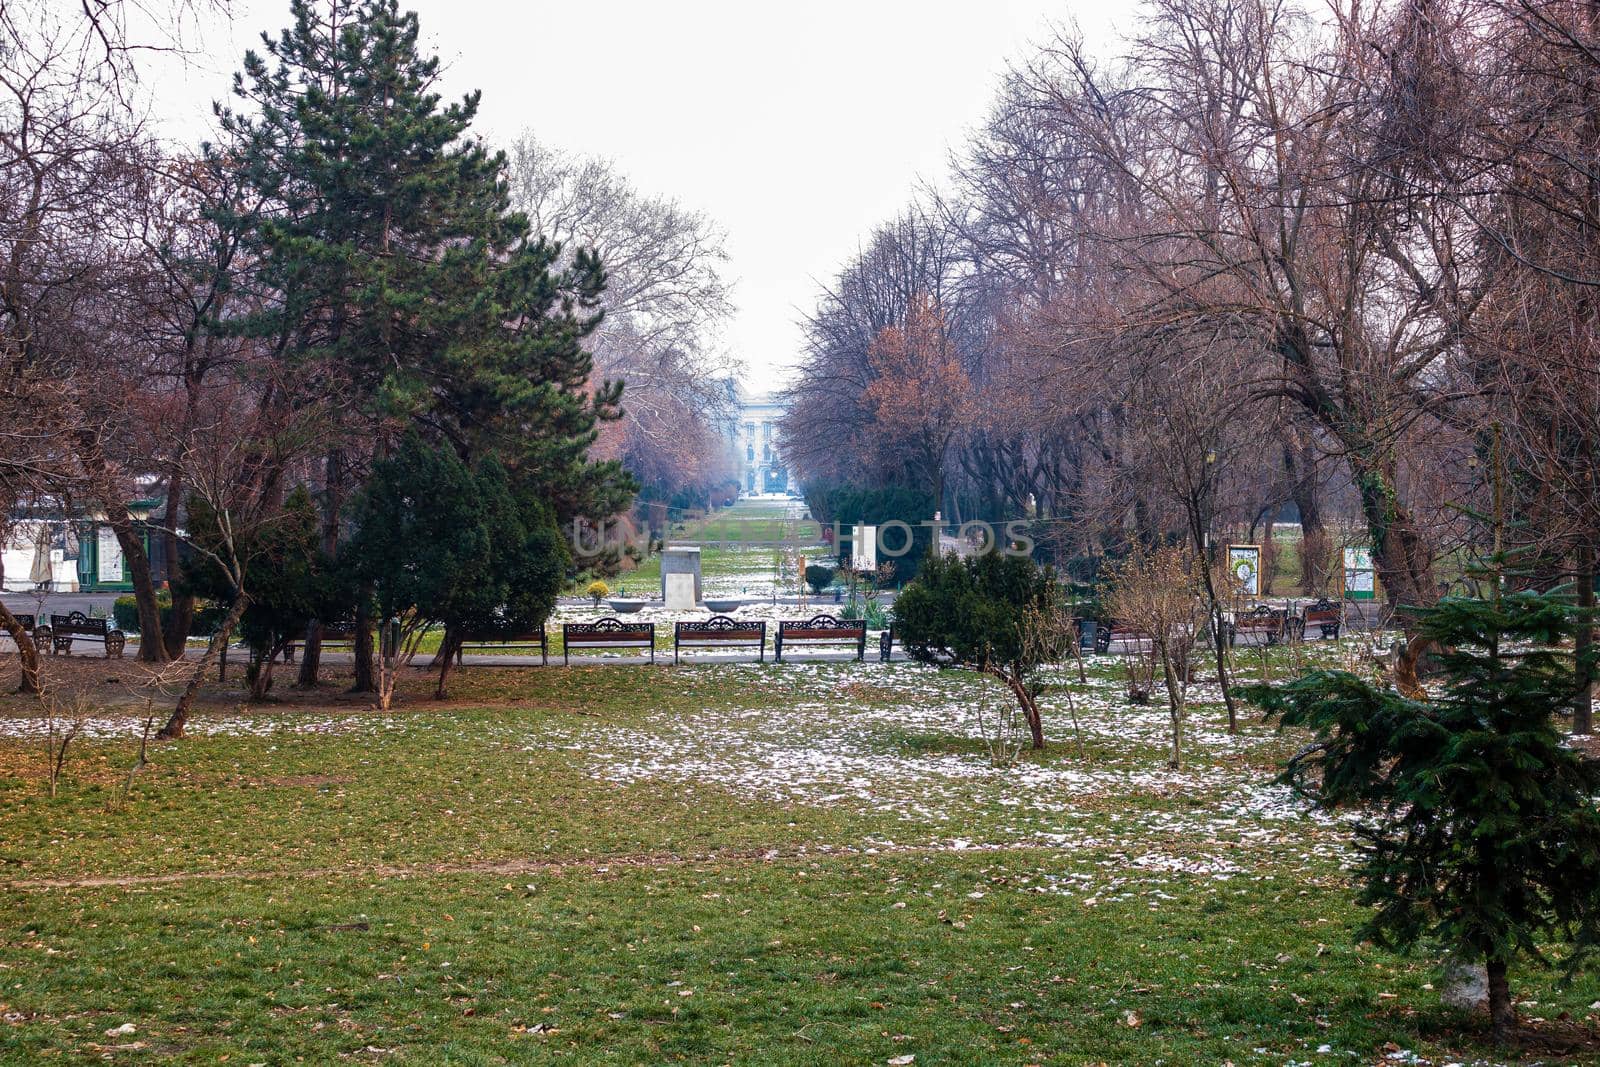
x=65, y=628
x=1113, y=632
x=720, y=631
x=1325, y=615
x=608, y=633
x=29, y=626
x=820, y=630
x=1265, y=620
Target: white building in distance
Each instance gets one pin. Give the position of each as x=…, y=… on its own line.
x=755, y=441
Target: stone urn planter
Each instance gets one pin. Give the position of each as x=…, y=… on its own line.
x=723, y=606
x=627, y=605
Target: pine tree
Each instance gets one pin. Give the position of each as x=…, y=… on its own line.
x=393, y=279
x=1480, y=833
x=389, y=260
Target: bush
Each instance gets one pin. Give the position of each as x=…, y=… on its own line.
x=818, y=577
x=597, y=591
x=996, y=614
x=207, y=616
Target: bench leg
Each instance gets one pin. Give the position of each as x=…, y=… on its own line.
x=861, y=649
x=777, y=649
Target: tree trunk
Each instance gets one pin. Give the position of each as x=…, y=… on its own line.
x=152, y=642
x=1218, y=640
x=1399, y=553
x=310, y=656
x=1407, y=679
x=1175, y=706
x=1269, y=555
x=27, y=651
x=1583, y=699
x=180, y=714
x=1502, y=1014
x=175, y=637
x=332, y=502
x=362, y=647
x=1300, y=462
x=1025, y=700
x=261, y=678
x=449, y=646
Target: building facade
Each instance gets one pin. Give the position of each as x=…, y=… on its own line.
x=761, y=468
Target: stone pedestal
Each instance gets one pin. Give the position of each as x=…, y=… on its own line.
x=680, y=577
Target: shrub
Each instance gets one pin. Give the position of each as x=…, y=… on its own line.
x=818, y=577
x=207, y=616
x=1478, y=828
x=995, y=614
x=598, y=591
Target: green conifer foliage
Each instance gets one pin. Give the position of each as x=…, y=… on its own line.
x=1479, y=830
x=388, y=267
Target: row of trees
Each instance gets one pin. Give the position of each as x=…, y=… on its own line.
x=283, y=332
x=1262, y=262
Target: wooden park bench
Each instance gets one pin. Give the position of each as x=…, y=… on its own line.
x=497, y=644
x=821, y=630
x=608, y=633
x=64, y=629
x=1267, y=621
x=1114, y=632
x=1326, y=616
x=720, y=631
x=344, y=639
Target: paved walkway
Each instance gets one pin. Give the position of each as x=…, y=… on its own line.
x=236, y=655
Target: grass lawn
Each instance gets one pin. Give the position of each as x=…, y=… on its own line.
x=808, y=864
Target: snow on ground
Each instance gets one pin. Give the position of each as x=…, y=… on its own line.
x=908, y=746
x=114, y=726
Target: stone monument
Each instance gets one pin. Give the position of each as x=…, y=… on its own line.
x=680, y=577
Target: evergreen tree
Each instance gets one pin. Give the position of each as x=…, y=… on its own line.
x=391, y=276
x=442, y=544
x=388, y=261
x=991, y=613
x=1480, y=833
x=514, y=591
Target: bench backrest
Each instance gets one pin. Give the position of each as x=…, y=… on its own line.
x=1261, y=618
x=608, y=631
x=78, y=623
x=823, y=628
x=26, y=621
x=1323, y=611
x=721, y=628
x=532, y=636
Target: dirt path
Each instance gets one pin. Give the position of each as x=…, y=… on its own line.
x=553, y=866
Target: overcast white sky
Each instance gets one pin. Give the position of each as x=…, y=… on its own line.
x=797, y=126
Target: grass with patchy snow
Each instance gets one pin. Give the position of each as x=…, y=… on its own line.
x=812, y=863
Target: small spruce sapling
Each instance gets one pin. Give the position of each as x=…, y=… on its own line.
x=1480, y=834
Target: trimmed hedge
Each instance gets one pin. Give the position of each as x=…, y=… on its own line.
x=207, y=616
